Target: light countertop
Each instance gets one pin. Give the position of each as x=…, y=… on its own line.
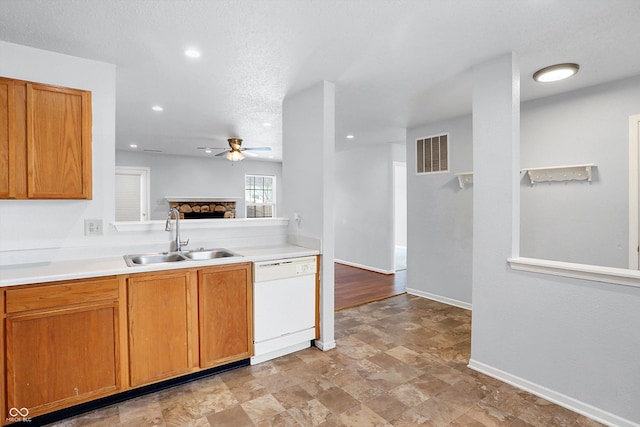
x=40, y=272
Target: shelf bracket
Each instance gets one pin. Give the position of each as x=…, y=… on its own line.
x=464, y=178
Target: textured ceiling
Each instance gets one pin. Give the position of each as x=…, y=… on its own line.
x=395, y=63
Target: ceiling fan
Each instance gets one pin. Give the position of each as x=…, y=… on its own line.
x=235, y=149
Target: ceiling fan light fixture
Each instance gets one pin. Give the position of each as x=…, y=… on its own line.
x=556, y=72
x=234, y=156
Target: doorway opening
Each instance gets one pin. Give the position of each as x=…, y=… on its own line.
x=400, y=215
x=634, y=189
x=132, y=193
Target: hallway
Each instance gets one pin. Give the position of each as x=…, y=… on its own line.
x=355, y=286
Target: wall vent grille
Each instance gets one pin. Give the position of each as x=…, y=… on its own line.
x=432, y=154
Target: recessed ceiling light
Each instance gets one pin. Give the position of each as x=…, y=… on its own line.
x=157, y=108
x=556, y=72
x=133, y=145
x=208, y=151
x=350, y=136
x=267, y=125
x=192, y=53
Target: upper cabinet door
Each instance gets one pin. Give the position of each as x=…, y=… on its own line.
x=58, y=142
x=7, y=140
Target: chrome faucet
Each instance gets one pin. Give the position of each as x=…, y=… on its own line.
x=178, y=244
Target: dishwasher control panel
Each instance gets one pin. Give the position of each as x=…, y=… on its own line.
x=305, y=268
x=282, y=268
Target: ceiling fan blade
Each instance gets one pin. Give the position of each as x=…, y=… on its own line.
x=257, y=149
x=221, y=154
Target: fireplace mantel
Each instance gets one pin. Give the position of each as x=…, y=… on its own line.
x=203, y=207
x=200, y=199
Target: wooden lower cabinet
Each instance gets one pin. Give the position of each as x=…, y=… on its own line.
x=70, y=342
x=62, y=345
x=225, y=298
x=162, y=311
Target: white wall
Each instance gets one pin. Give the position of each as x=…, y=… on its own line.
x=197, y=177
x=26, y=224
x=49, y=230
x=440, y=218
x=308, y=171
x=567, y=339
x=586, y=126
x=364, y=207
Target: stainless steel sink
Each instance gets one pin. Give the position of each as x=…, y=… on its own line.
x=202, y=254
x=157, y=258
x=170, y=257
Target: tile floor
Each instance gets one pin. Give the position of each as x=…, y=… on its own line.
x=399, y=362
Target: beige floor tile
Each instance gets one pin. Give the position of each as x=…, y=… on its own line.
x=398, y=362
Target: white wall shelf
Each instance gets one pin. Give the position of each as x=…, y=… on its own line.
x=560, y=173
x=464, y=178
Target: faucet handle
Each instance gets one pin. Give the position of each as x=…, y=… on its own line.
x=184, y=242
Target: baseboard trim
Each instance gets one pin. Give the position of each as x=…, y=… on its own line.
x=364, y=267
x=560, y=399
x=439, y=298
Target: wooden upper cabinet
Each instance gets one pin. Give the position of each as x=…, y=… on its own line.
x=58, y=142
x=45, y=141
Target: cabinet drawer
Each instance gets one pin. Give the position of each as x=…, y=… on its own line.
x=61, y=294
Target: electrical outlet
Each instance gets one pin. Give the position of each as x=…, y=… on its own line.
x=93, y=227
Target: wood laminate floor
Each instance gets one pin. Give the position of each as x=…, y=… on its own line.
x=355, y=286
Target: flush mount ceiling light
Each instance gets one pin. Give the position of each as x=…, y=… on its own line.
x=157, y=108
x=192, y=53
x=556, y=72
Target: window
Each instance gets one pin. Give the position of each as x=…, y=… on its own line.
x=260, y=196
x=432, y=154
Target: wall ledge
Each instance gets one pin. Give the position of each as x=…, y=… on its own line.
x=195, y=224
x=616, y=276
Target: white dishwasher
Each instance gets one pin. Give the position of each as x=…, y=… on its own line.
x=284, y=307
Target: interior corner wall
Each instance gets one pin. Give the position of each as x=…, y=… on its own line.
x=308, y=175
x=29, y=224
x=364, y=207
x=585, y=126
x=440, y=218
x=198, y=177
x=570, y=340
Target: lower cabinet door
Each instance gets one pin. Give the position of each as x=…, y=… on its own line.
x=162, y=316
x=225, y=314
x=61, y=357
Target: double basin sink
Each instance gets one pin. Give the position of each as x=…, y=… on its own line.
x=170, y=257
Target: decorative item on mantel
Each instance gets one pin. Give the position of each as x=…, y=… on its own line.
x=560, y=173
x=204, y=207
